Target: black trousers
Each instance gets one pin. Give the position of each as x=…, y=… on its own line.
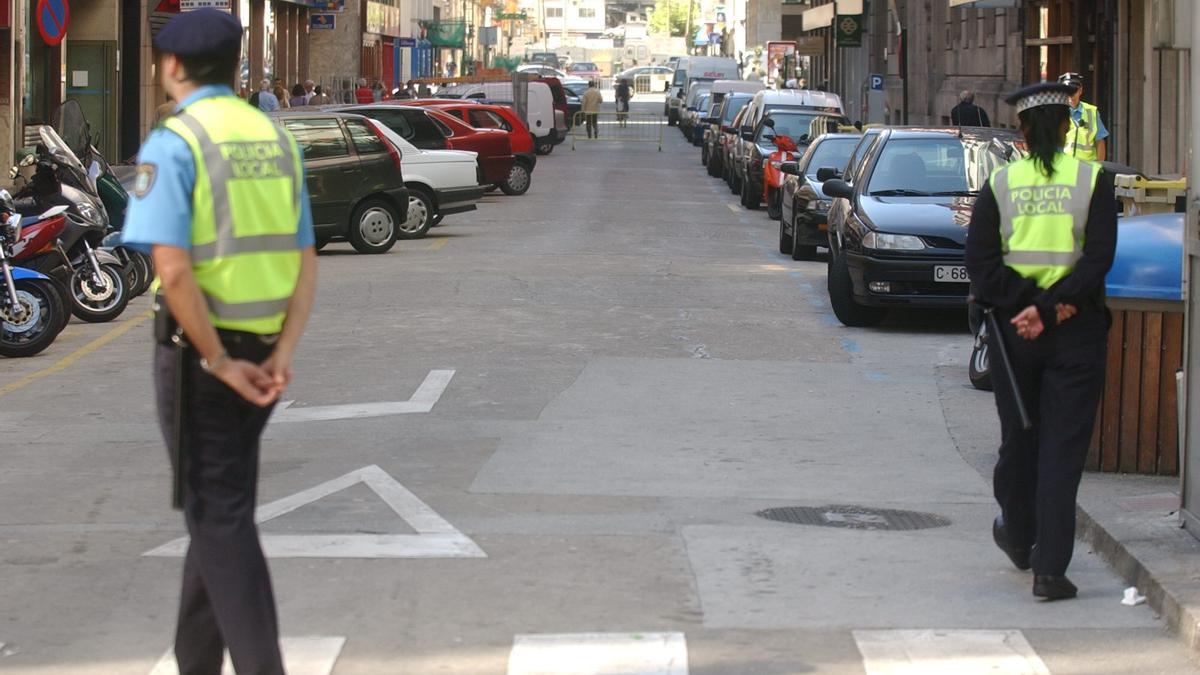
x=592, y=121
x=227, y=601
x=1036, y=480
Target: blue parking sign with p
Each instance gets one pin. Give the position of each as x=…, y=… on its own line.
x=876, y=82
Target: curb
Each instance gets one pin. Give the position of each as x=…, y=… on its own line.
x=1182, y=618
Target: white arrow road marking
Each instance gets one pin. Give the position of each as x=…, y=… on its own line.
x=434, y=538
x=422, y=401
x=596, y=653
x=301, y=656
x=948, y=652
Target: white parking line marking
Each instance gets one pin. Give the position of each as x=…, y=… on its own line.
x=422, y=401
x=734, y=207
x=948, y=652
x=434, y=538
x=301, y=656
x=599, y=653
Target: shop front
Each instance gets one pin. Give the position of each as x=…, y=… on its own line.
x=275, y=45
x=380, y=54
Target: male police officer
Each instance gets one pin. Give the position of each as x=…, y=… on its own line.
x=220, y=199
x=1087, y=134
x=1042, y=238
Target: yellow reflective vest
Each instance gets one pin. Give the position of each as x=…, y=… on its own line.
x=1081, y=135
x=1043, y=219
x=245, y=212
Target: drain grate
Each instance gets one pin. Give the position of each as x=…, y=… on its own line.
x=854, y=517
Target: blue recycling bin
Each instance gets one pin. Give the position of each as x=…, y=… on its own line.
x=1149, y=261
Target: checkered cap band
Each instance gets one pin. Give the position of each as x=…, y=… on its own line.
x=1043, y=98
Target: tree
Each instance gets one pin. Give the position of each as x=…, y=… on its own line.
x=678, y=12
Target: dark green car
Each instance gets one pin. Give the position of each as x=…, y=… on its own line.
x=353, y=176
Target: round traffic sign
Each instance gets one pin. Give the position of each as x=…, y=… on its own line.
x=52, y=18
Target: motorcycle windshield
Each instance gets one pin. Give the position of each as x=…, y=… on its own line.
x=55, y=143
x=72, y=126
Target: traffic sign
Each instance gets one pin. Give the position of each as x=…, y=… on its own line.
x=322, y=21
x=52, y=19
x=876, y=82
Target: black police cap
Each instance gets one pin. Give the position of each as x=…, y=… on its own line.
x=1042, y=93
x=201, y=32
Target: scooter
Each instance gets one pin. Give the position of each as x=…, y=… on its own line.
x=773, y=177
x=96, y=280
x=32, y=313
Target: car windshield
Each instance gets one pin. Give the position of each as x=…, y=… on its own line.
x=583, y=65
x=788, y=124
x=734, y=107
x=944, y=166
x=830, y=153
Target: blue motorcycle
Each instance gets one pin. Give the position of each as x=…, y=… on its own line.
x=31, y=307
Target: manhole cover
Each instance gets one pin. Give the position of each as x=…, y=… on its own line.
x=854, y=517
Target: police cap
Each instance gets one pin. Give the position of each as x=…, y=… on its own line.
x=201, y=32
x=1071, y=80
x=1042, y=93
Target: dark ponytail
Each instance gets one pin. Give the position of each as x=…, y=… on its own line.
x=1042, y=128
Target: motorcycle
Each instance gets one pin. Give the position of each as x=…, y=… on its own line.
x=72, y=127
x=96, y=281
x=773, y=178
x=32, y=313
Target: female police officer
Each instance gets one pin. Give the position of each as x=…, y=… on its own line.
x=1041, y=240
x=220, y=199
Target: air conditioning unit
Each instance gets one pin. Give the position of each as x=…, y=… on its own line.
x=1172, y=24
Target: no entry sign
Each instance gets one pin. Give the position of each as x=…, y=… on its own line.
x=52, y=18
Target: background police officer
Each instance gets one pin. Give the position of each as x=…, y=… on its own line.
x=1087, y=133
x=220, y=199
x=1041, y=240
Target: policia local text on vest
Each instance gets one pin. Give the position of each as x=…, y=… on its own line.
x=1041, y=240
x=220, y=199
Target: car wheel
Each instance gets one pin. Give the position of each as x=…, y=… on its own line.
x=785, y=240
x=750, y=197
x=774, y=208
x=518, y=180
x=545, y=148
x=419, y=216
x=373, y=227
x=714, y=166
x=841, y=297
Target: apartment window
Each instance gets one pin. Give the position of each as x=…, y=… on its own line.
x=587, y=12
x=554, y=12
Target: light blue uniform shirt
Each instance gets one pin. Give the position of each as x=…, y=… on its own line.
x=161, y=211
x=1101, y=130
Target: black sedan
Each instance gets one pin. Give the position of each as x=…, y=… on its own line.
x=897, y=236
x=803, y=204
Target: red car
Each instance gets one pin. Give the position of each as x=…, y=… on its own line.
x=488, y=116
x=431, y=129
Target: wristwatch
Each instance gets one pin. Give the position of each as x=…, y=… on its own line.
x=209, y=366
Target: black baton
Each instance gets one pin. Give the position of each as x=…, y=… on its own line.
x=178, y=447
x=994, y=328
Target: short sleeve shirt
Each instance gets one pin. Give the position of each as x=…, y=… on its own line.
x=1101, y=130
x=160, y=205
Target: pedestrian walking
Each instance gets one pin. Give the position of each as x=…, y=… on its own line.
x=967, y=114
x=590, y=106
x=220, y=201
x=624, y=94
x=298, y=99
x=267, y=101
x=319, y=97
x=1086, y=139
x=363, y=95
x=1041, y=240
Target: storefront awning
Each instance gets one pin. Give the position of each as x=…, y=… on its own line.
x=451, y=34
x=822, y=17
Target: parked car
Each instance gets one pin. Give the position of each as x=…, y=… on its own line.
x=585, y=69
x=731, y=152
x=354, y=178
x=632, y=73
x=690, y=105
x=803, y=204
x=545, y=114
x=897, y=234
x=720, y=123
x=488, y=116
x=757, y=143
x=695, y=117
x=430, y=129
x=440, y=183
x=690, y=70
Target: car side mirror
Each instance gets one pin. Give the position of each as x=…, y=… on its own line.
x=826, y=173
x=837, y=188
x=768, y=122
x=790, y=168
x=747, y=133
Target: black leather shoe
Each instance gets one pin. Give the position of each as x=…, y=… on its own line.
x=1053, y=587
x=1018, y=556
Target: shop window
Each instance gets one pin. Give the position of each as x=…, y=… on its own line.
x=319, y=137
x=366, y=142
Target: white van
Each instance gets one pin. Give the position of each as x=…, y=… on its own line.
x=694, y=69
x=721, y=88
x=548, y=126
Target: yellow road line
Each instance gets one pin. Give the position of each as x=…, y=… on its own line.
x=438, y=244
x=74, y=356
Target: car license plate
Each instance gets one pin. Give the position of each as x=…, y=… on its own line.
x=951, y=274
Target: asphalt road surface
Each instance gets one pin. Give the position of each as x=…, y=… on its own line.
x=537, y=442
